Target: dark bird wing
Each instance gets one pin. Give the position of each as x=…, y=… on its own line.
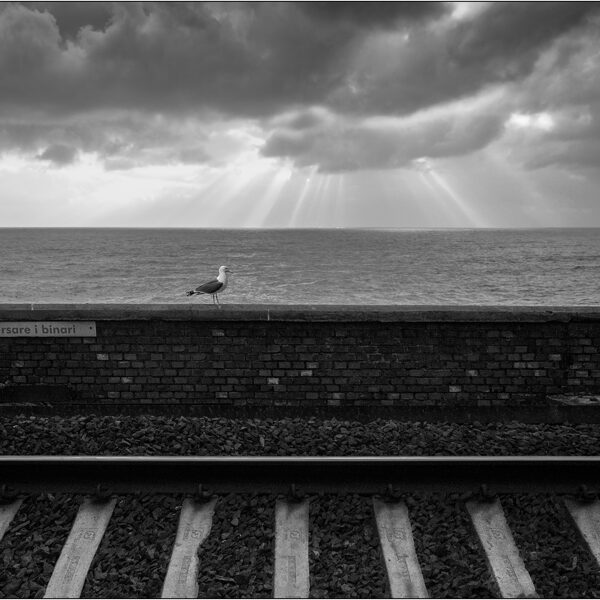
x=210, y=287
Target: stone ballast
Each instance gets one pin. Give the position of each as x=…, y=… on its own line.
x=317, y=355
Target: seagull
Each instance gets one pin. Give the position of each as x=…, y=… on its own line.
x=214, y=286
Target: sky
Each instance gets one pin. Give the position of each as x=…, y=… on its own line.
x=300, y=114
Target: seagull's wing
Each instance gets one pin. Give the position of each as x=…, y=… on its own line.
x=210, y=287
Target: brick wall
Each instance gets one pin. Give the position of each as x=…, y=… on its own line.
x=290, y=355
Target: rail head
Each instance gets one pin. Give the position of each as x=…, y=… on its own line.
x=311, y=474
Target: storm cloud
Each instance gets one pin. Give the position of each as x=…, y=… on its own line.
x=342, y=86
x=59, y=154
x=341, y=144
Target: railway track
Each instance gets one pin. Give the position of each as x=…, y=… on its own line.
x=383, y=479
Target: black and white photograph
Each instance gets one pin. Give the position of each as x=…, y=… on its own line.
x=299, y=299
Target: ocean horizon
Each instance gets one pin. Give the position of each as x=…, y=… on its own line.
x=400, y=266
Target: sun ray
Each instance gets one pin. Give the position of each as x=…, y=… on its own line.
x=301, y=200
x=409, y=185
x=314, y=218
x=225, y=200
x=471, y=215
x=338, y=200
x=441, y=204
x=441, y=189
x=273, y=192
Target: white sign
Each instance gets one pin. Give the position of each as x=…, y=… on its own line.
x=47, y=329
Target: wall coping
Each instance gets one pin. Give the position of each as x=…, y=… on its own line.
x=298, y=313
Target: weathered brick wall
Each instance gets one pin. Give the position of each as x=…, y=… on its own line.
x=308, y=355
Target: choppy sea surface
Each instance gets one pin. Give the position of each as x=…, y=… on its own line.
x=314, y=266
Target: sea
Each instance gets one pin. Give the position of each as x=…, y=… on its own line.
x=551, y=267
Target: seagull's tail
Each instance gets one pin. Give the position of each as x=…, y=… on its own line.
x=190, y=293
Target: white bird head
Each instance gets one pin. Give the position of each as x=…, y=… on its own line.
x=224, y=270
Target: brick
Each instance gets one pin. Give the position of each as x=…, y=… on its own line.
x=397, y=362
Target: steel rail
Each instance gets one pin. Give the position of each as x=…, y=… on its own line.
x=276, y=474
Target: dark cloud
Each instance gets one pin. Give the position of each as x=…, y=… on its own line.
x=71, y=17
x=59, y=154
x=100, y=76
x=119, y=141
x=568, y=137
x=343, y=144
x=506, y=38
x=258, y=59
x=576, y=154
x=499, y=45
x=171, y=57
x=559, y=107
x=193, y=155
x=379, y=14
x=95, y=133
x=50, y=140
x=302, y=119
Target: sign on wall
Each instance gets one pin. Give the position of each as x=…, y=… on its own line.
x=47, y=329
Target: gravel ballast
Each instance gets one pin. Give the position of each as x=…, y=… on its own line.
x=203, y=436
x=236, y=560
x=452, y=563
x=30, y=548
x=344, y=556
x=558, y=563
x=132, y=559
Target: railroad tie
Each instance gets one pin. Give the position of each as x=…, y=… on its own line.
x=586, y=516
x=195, y=523
x=397, y=545
x=7, y=513
x=506, y=564
x=73, y=564
x=290, y=578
